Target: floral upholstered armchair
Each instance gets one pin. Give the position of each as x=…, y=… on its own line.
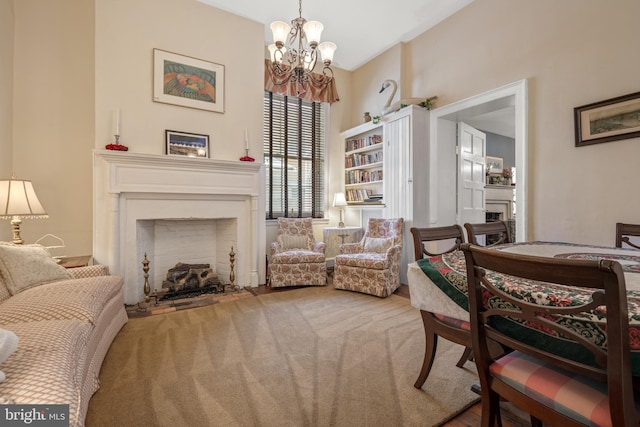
x=296, y=258
x=373, y=265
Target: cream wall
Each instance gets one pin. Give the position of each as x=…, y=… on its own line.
x=53, y=120
x=77, y=60
x=126, y=34
x=6, y=88
x=572, y=52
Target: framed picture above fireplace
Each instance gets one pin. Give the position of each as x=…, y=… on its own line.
x=186, y=81
x=187, y=144
x=494, y=164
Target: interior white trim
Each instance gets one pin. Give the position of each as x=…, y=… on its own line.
x=442, y=117
x=130, y=187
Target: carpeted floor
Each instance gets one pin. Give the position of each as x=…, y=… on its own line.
x=308, y=357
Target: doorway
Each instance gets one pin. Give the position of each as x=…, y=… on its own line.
x=444, y=203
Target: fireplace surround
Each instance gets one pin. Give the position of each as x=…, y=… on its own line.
x=132, y=191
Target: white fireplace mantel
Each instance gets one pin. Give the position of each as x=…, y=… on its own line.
x=129, y=187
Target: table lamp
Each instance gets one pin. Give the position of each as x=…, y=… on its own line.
x=18, y=200
x=339, y=201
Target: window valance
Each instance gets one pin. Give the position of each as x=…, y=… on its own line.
x=312, y=91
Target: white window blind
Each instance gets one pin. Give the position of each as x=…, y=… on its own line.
x=294, y=145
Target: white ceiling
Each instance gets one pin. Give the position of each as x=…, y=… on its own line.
x=362, y=29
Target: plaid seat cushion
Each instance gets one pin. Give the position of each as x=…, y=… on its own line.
x=460, y=324
x=578, y=397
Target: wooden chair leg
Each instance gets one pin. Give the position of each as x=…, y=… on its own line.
x=431, y=343
x=466, y=355
x=490, y=416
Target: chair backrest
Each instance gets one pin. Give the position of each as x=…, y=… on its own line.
x=433, y=234
x=600, y=294
x=295, y=233
x=623, y=231
x=385, y=228
x=499, y=228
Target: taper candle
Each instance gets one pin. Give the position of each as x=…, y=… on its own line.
x=116, y=121
x=246, y=138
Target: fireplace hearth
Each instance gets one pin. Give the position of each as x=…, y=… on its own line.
x=140, y=201
x=185, y=280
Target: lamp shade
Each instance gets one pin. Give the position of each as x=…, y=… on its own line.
x=275, y=54
x=280, y=31
x=313, y=30
x=339, y=200
x=18, y=198
x=327, y=49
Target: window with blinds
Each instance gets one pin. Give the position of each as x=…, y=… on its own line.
x=294, y=145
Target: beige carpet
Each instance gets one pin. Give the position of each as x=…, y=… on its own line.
x=306, y=357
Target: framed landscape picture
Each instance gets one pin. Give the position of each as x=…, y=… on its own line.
x=609, y=120
x=495, y=164
x=187, y=144
x=186, y=81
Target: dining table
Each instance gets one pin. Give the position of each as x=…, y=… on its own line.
x=438, y=284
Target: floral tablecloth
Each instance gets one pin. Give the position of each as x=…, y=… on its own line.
x=448, y=274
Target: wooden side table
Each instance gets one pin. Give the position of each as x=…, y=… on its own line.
x=74, y=261
x=335, y=236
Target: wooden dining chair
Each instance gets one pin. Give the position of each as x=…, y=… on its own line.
x=436, y=324
x=623, y=231
x=578, y=382
x=499, y=228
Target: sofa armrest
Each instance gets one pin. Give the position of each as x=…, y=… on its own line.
x=89, y=271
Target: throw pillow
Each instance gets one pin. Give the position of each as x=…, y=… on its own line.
x=377, y=244
x=23, y=267
x=8, y=344
x=289, y=241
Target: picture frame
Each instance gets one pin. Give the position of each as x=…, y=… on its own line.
x=187, y=144
x=494, y=164
x=609, y=120
x=187, y=81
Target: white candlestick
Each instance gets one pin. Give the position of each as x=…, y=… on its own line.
x=116, y=121
x=246, y=138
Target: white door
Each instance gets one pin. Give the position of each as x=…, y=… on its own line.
x=471, y=178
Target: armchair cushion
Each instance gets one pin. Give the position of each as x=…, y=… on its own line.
x=377, y=244
x=298, y=256
x=291, y=241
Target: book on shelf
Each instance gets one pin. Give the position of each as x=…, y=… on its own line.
x=359, y=176
x=362, y=196
x=356, y=143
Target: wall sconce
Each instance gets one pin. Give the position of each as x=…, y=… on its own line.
x=339, y=201
x=18, y=200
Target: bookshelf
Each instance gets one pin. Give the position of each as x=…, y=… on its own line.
x=387, y=164
x=364, y=164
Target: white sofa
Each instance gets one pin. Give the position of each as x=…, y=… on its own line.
x=64, y=329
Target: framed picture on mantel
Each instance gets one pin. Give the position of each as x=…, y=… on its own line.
x=187, y=144
x=495, y=164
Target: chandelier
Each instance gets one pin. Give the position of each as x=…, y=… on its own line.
x=296, y=61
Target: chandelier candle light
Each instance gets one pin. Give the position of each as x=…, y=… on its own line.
x=295, y=61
